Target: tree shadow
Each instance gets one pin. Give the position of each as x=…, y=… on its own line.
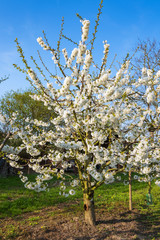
x=142, y=226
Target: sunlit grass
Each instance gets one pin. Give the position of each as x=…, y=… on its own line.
x=15, y=199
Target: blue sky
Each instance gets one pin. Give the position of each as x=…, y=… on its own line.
x=122, y=23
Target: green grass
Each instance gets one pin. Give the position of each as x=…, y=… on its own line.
x=15, y=199
x=11, y=232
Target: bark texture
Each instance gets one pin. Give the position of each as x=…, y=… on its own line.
x=89, y=210
x=5, y=140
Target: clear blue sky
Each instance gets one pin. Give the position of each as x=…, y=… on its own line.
x=122, y=23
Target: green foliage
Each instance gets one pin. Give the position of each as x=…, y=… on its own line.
x=15, y=199
x=2, y=135
x=12, y=232
x=21, y=102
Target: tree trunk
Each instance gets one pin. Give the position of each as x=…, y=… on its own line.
x=4, y=168
x=89, y=210
x=5, y=140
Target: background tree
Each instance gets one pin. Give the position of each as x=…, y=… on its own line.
x=5, y=134
x=26, y=110
x=146, y=62
x=146, y=54
x=25, y=107
x=2, y=135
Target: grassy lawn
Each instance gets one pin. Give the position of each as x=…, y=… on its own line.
x=15, y=199
x=24, y=212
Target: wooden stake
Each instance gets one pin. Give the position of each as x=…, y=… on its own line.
x=130, y=190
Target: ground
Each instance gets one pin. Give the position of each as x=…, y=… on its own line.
x=64, y=222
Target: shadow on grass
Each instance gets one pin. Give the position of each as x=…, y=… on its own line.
x=140, y=226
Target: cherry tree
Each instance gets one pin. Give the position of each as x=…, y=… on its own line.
x=145, y=66
x=99, y=124
x=146, y=154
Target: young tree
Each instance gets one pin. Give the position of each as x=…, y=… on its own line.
x=147, y=60
x=98, y=123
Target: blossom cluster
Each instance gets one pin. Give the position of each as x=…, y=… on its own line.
x=85, y=30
